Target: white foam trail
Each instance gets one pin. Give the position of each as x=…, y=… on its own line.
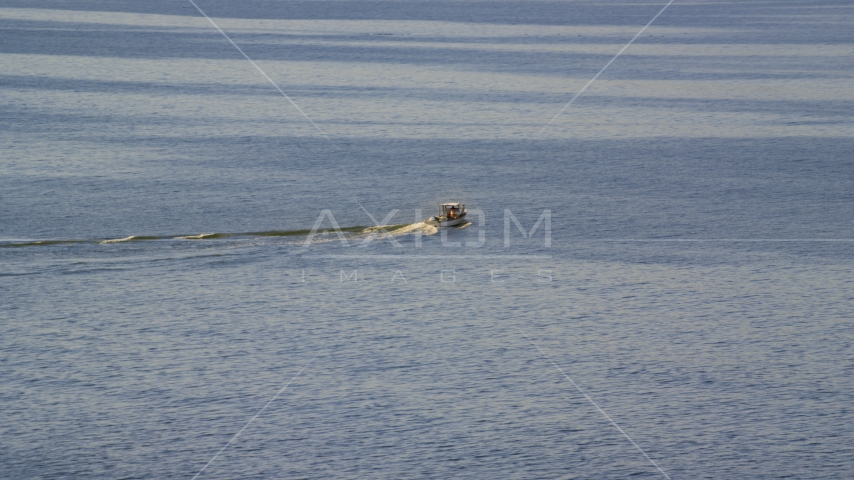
x=412, y=227
x=117, y=240
x=425, y=228
x=324, y=236
x=196, y=237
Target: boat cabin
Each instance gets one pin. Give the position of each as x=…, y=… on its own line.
x=452, y=210
x=453, y=214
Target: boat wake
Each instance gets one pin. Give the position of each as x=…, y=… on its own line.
x=423, y=227
x=132, y=238
x=403, y=229
x=204, y=236
x=394, y=230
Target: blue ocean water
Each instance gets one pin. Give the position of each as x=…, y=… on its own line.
x=171, y=275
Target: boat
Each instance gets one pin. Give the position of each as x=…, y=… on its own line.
x=453, y=214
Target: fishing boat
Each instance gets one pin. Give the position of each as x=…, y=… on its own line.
x=453, y=214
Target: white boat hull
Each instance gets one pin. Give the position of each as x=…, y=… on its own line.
x=446, y=223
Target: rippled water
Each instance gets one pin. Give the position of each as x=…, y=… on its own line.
x=171, y=273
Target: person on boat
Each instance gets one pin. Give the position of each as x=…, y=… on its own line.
x=452, y=213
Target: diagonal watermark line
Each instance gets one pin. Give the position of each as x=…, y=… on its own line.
x=263, y=73
x=253, y=418
x=598, y=408
x=605, y=67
